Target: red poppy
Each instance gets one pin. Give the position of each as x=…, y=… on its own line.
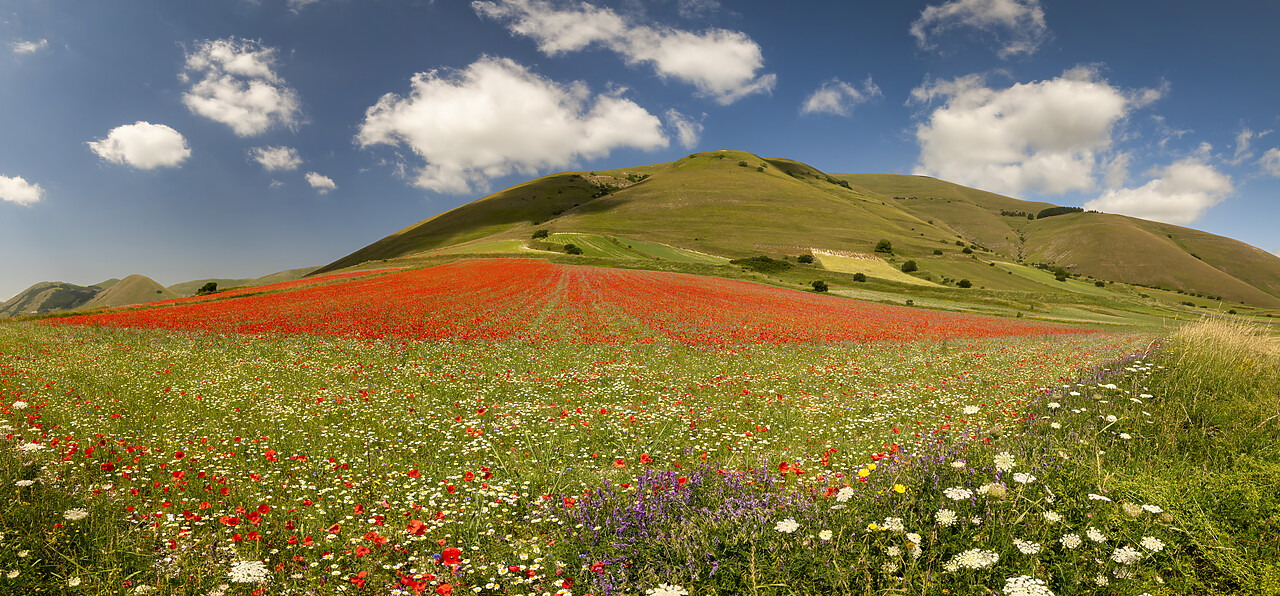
x=444, y=589
x=451, y=556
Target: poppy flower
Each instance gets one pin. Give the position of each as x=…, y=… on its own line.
x=451, y=556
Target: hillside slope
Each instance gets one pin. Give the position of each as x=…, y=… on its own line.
x=188, y=288
x=735, y=204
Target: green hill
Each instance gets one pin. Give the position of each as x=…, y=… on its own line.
x=188, y=288
x=134, y=289
x=46, y=297
x=733, y=204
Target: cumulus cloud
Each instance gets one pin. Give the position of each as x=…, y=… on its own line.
x=142, y=145
x=721, y=64
x=839, y=98
x=28, y=47
x=275, y=159
x=235, y=84
x=1046, y=136
x=688, y=131
x=1270, y=162
x=1179, y=193
x=495, y=118
x=1018, y=25
x=17, y=190
x=321, y=183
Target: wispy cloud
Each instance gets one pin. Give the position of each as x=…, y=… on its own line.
x=28, y=47
x=1017, y=25
x=839, y=98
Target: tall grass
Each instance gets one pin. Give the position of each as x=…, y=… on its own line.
x=1215, y=454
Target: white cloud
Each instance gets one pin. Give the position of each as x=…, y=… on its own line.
x=696, y=9
x=17, y=190
x=142, y=145
x=238, y=87
x=1117, y=169
x=688, y=132
x=839, y=98
x=1178, y=194
x=297, y=5
x=276, y=158
x=1018, y=25
x=721, y=64
x=495, y=118
x=321, y=183
x=1270, y=162
x=1244, y=145
x=1046, y=136
x=28, y=47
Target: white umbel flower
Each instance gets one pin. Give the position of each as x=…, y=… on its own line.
x=1025, y=585
x=249, y=572
x=667, y=590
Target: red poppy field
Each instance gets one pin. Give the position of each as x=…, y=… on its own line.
x=533, y=300
x=518, y=427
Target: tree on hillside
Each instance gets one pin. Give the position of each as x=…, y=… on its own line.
x=539, y=234
x=819, y=286
x=884, y=246
x=909, y=266
x=208, y=288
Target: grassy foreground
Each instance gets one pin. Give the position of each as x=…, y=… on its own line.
x=173, y=463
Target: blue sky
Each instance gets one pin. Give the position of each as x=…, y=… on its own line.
x=184, y=140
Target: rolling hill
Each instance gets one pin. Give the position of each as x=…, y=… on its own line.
x=47, y=296
x=188, y=288
x=134, y=289
x=734, y=204
x=55, y=296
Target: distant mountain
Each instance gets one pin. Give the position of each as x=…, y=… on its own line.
x=735, y=204
x=47, y=296
x=55, y=296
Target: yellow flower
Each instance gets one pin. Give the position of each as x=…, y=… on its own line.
x=871, y=527
x=898, y=488
x=863, y=473
x=871, y=466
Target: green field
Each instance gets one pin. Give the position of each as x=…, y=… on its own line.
x=191, y=462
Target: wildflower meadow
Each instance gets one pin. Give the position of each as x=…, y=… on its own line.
x=516, y=427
